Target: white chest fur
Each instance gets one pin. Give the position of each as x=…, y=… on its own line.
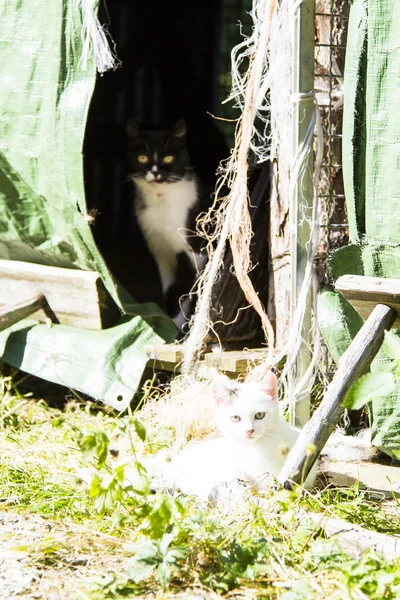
x=163, y=212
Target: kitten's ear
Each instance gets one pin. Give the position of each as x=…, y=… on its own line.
x=132, y=129
x=269, y=385
x=179, y=129
x=222, y=389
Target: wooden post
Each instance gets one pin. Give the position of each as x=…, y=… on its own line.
x=354, y=363
x=303, y=191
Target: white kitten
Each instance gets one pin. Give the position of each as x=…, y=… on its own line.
x=254, y=444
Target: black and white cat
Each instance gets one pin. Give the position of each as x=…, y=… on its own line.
x=167, y=203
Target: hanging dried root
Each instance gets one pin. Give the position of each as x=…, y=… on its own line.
x=263, y=93
x=230, y=216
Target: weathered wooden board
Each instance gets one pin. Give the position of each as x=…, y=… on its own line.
x=364, y=293
x=163, y=365
x=21, y=310
x=75, y=297
x=384, y=479
x=235, y=361
x=167, y=357
x=164, y=357
x=166, y=353
x=354, y=539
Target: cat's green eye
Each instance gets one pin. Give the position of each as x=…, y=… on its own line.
x=168, y=159
x=143, y=159
x=259, y=415
x=235, y=418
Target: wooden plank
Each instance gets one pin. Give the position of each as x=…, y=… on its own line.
x=167, y=357
x=235, y=361
x=354, y=363
x=364, y=293
x=10, y=315
x=384, y=479
x=75, y=297
x=354, y=539
x=171, y=354
x=162, y=365
x=164, y=357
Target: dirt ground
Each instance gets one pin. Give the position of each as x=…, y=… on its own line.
x=22, y=577
x=26, y=571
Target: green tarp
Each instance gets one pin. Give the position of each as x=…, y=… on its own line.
x=371, y=169
x=44, y=97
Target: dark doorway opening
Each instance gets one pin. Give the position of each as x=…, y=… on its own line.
x=175, y=63
x=169, y=54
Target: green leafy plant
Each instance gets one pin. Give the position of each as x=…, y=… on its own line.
x=368, y=387
x=94, y=444
x=377, y=384
x=158, y=558
x=106, y=490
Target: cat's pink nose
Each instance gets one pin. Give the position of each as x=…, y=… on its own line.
x=250, y=432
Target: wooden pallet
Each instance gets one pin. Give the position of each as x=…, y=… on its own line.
x=167, y=357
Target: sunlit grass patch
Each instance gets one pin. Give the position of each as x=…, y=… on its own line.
x=63, y=471
x=369, y=510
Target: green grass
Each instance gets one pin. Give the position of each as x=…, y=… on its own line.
x=61, y=474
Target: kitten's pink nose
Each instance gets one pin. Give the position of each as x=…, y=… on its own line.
x=250, y=432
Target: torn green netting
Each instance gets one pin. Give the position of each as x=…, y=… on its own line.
x=371, y=169
x=45, y=91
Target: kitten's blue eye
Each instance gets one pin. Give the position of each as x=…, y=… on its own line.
x=235, y=418
x=259, y=415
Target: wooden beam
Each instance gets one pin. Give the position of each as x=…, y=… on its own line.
x=354, y=539
x=172, y=353
x=75, y=297
x=9, y=315
x=164, y=357
x=364, y=293
x=382, y=479
x=301, y=203
x=167, y=357
x=235, y=361
x=354, y=363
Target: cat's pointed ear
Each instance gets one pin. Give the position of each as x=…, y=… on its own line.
x=179, y=129
x=132, y=129
x=222, y=389
x=269, y=385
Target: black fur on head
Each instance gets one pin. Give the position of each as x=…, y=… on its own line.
x=158, y=156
